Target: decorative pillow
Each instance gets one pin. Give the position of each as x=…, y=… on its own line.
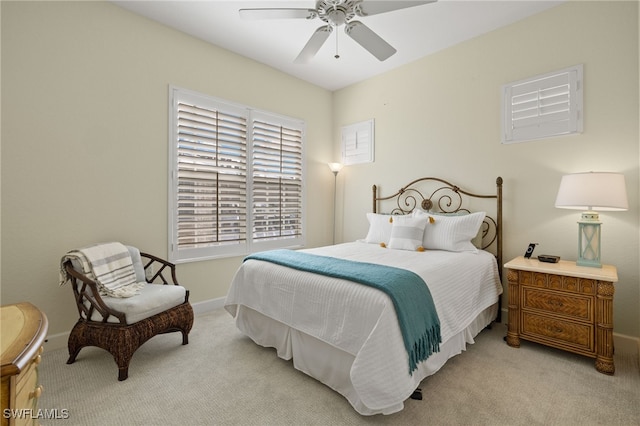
x=379, y=228
x=452, y=232
x=476, y=241
x=407, y=232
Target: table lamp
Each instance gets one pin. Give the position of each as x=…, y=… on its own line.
x=591, y=191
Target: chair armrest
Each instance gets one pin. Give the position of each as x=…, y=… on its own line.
x=155, y=268
x=87, y=297
x=151, y=263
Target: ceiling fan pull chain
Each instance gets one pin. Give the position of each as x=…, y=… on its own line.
x=337, y=56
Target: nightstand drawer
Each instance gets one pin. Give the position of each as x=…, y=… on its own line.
x=573, y=307
x=567, y=334
x=557, y=282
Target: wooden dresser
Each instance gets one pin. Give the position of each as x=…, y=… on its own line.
x=23, y=330
x=563, y=305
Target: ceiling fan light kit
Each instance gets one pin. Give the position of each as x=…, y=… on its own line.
x=336, y=13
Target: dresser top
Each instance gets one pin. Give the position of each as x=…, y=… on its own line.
x=607, y=273
x=23, y=328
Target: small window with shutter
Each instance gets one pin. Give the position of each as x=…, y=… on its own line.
x=358, y=143
x=235, y=179
x=543, y=106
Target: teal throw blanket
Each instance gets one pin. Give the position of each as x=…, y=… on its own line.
x=417, y=316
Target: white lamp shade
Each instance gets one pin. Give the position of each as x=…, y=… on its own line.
x=601, y=191
x=335, y=167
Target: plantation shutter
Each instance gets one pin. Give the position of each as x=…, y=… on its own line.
x=543, y=106
x=210, y=174
x=277, y=179
x=358, y=143
x=236, y=179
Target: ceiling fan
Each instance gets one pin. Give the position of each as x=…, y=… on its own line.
x=336, y=13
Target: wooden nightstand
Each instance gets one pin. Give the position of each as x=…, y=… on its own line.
x=563, y=305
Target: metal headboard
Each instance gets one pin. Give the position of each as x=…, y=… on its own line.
x=438, y=195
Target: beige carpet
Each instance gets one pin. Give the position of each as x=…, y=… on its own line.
x=223, y=378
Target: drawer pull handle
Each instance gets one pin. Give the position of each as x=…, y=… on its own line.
x=557, y=303
x=36, y=392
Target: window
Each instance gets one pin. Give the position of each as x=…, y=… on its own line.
x=358, y=143
x=543, y=106
x=236, y=179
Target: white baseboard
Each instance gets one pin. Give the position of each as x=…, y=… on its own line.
x=208, y=305
x=56, y=341
x=627, y=345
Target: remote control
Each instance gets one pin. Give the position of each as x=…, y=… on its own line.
x=548, y=258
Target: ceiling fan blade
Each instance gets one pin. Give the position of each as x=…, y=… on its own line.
x=367, y=8
x=264, y=13
x=371, y=41
x=314, y=44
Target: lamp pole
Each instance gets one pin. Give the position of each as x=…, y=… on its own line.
x=335, y=169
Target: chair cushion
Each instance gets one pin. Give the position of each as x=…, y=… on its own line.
x=153, y=299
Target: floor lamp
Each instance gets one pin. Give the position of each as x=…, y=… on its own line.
x=335, y=169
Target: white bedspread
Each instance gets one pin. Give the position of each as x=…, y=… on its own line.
x=361, y=320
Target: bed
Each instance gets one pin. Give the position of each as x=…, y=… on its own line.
x=352, y=337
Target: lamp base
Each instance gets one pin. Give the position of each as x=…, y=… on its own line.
x=589, y=240
x=588, y=262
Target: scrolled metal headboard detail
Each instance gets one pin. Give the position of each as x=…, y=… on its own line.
x=437, y=195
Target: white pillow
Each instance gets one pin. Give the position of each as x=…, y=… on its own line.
x=379, y=228
x=451, y=232
x=407, y=232
x=476, y=241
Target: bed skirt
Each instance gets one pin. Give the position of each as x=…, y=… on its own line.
x=333, y=366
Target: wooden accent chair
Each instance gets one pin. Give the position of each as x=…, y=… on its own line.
x=122, y=325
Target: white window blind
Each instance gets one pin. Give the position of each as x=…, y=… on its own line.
x=543, y=106
x=235, y=180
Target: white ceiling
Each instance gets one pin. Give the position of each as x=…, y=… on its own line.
x=415, y=32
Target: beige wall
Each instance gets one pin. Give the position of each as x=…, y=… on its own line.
x=85, y=145
x=440, y=116
x=84, y=136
